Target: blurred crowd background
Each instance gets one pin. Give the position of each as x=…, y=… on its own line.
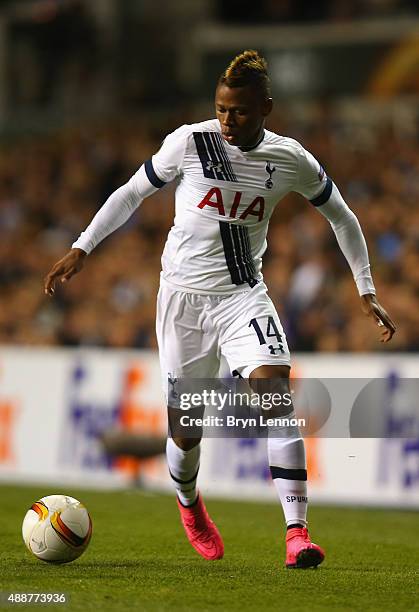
x=90, y=89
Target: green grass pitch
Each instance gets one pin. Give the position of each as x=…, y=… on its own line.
x=139, y=558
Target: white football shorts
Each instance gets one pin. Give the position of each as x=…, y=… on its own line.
x=194, y=331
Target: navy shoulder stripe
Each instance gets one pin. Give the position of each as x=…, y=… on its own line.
x=325, y=194
x=213, y=156
x=151, y=174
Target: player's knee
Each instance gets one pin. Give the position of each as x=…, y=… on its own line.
x=271, y=372
x=267, y=380
x=186, y=443
x=189, y=434
x=270, y=379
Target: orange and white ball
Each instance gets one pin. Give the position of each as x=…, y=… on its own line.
x=57, y=529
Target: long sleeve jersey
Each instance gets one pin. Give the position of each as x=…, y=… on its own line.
x=225, y=197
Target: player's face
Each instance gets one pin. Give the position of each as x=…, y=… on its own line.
x=241, y=112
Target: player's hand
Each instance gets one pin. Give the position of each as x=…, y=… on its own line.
x=64, y=269
x=373, y=309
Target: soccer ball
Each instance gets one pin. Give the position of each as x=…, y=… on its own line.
x=57, y=529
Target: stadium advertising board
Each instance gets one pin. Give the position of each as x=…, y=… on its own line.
x=55, y=406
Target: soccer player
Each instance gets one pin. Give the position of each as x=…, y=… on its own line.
x=212, y=300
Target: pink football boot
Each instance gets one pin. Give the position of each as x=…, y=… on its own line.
x=201, y=531
x=301, y=552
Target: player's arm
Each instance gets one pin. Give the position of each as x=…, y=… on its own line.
x=352, y=244
x=118, y=208
x=115, y=212
x=329, y=202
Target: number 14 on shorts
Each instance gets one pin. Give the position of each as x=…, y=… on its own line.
x=271, y=332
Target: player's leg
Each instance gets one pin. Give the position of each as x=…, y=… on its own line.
x=183, y=456
x=186, y=353
x=182, y=353
x=254, y=344
x=287, y=463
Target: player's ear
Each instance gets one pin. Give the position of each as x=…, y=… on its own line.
x=267, y=106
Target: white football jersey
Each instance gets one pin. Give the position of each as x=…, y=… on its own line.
x=224, y=200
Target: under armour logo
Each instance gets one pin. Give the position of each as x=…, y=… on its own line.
x=273, y=349
x=217, y=166
x=270, y=170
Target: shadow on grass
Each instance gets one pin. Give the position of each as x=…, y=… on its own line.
x=197, y=568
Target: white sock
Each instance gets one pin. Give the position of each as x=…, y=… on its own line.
x=183, y=468
x=288, y=469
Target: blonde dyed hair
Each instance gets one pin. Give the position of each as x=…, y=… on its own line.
x=247, y=68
